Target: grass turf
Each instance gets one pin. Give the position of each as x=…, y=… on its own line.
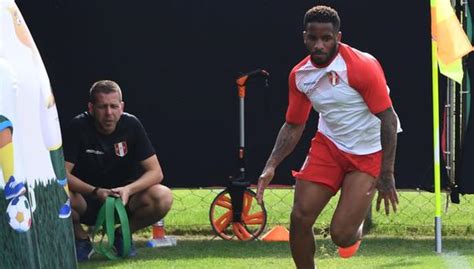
x=407, y=240
x=375, y=252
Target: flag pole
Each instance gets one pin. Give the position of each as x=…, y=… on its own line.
x=436, y=147
x=449, y=43
x=437, y=179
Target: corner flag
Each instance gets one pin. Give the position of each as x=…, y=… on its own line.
x=451, y=39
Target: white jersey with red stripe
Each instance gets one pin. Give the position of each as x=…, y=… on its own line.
x=346, y=93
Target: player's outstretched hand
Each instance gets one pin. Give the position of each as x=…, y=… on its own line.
x=263, y=181
x=387, y=192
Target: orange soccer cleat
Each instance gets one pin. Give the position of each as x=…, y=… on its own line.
x=349, y=251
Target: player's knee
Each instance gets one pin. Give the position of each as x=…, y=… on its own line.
x=342, y=236
x=300, y=217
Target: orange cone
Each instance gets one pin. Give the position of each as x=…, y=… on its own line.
x=277, y=234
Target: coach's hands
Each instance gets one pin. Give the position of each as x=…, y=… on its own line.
x=387, y=192
x=123, y=193
x=263, y=181
x=101, y=194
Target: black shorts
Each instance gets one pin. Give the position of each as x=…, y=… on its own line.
x=93, y=206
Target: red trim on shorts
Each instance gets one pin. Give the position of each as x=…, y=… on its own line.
x=328, y=165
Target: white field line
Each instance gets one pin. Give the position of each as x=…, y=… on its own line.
x=454, y=260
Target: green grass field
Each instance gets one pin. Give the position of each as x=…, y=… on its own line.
x=375, y=252
x=402, y=240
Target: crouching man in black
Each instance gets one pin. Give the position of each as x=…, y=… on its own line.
x=107, y=152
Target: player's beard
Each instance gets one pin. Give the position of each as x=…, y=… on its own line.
x=329, y=56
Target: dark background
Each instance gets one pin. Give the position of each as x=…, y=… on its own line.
x=177, y=62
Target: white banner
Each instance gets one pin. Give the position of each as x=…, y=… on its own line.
x=26, y=102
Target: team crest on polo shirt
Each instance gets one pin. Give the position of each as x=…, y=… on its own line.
x=333, y=78
x=121, y=148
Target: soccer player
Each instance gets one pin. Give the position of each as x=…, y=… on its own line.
x=12, y=188
x=354, y=147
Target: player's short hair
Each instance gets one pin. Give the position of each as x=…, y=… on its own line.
x=322, y=14
x=104, y=86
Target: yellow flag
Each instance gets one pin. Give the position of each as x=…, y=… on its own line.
x=451, y=39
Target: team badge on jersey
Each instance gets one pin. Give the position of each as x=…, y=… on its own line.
x=333, y=78
x=121, y=148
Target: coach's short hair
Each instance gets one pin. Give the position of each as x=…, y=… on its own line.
x=104, y=86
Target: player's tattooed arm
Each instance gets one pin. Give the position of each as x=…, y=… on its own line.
x=286, y=141
x=388, y=139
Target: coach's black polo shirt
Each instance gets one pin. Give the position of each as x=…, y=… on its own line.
x=106, y=160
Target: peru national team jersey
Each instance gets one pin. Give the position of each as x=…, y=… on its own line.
x=346, y=94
